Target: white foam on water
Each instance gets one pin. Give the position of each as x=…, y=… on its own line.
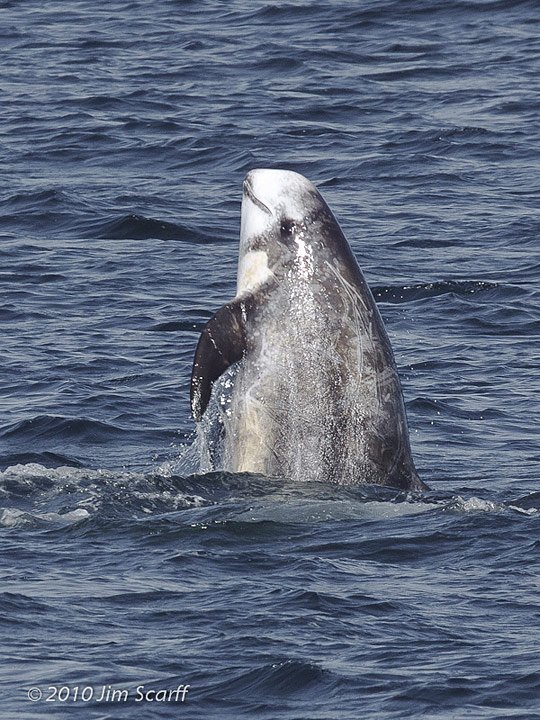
x=81, y=492
x=306, y=511
x=474, y=505
x=12, y=517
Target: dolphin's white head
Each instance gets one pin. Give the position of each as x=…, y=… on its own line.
x=277, y=209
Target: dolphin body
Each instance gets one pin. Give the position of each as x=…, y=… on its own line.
x=315, y=392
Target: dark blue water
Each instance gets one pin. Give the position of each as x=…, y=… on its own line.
x=126, y=129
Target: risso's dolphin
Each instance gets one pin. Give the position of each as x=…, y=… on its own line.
x=315, y=391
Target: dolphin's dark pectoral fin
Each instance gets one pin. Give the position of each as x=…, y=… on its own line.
x=222, y=343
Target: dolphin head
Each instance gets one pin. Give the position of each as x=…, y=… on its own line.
x=283, y=224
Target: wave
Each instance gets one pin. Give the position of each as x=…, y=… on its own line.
x=53, y=209
x=47, y=459
x=279, y=678
x=45, y=198
x=428, y=406
x=420, y=291
x=177, y=326
x=14, y=518
x=138, y=227
x=52, y=426
x=163, y=501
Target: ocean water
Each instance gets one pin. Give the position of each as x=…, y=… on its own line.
x=126, y=129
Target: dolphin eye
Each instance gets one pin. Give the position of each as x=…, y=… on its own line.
x=287, y=229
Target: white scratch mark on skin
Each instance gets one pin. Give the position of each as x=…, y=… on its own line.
x=354, y=297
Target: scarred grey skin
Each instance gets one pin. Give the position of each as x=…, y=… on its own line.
x=316, y=395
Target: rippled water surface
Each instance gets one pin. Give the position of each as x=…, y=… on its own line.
x=125, y=133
